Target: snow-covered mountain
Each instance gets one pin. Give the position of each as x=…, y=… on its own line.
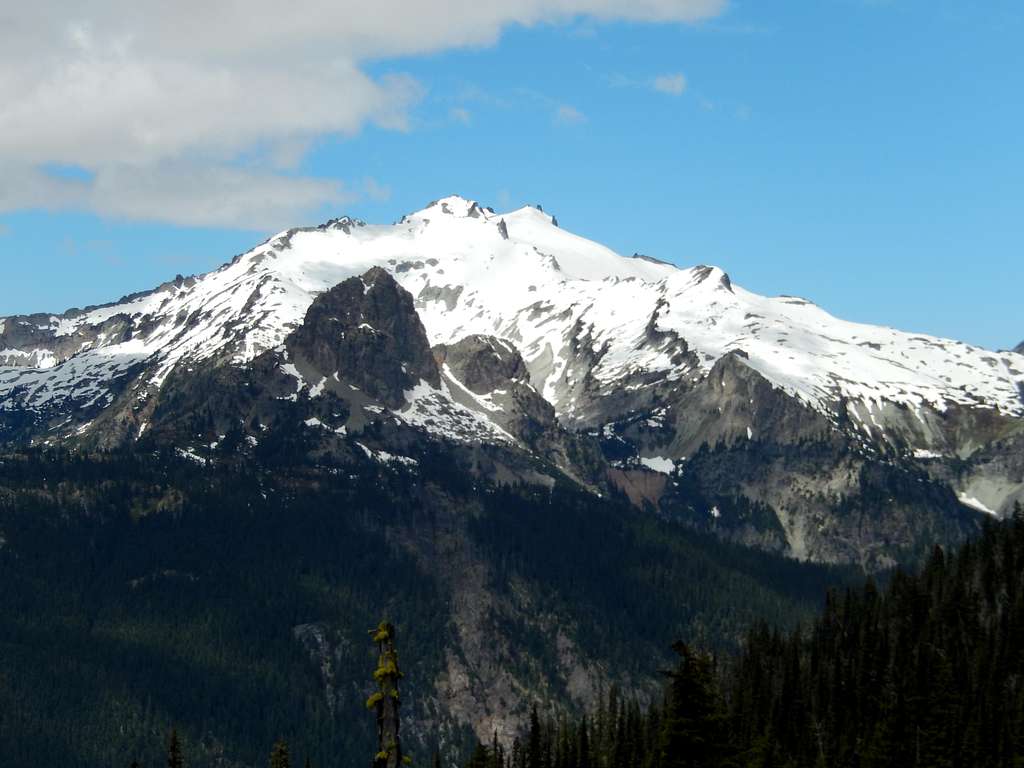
x=638, y=352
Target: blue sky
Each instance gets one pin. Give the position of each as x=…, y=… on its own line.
x=866, y=155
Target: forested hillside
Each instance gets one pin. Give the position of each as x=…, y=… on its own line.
x=927, y=673
x=143, y=592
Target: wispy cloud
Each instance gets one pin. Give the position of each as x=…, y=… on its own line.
x=228, y=95
x=460, y=115
x=566, y=114
x=673, y=84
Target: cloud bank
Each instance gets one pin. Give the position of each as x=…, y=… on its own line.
x=194, y=112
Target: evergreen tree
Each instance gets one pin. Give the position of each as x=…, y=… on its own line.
x=692, y=729
x=481, y=757
x=584, y=754
x=497, y=754
x=534, y=746
x=386, y=701
x=279, y=755
x=175, y=759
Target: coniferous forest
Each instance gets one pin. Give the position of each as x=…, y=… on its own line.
x=144, y=592
x=145, y=596
x=925, y=673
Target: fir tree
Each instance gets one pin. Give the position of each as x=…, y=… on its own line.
x=692, y=730
x=386, y=701
x=481, y=757
x=534, y=747
x=497, y=756
x=279, y=755
x=584, y=755
x=175, y=759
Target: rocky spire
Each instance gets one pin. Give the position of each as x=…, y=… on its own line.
x=386, y=700
x=366, y=330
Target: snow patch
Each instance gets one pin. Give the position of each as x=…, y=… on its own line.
x=188, y=453
x=387, y=458
x=436, y=412
x=972, y=502
x=659, y=464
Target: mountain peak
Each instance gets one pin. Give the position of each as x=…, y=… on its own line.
x=713, y=276
x=453, y=205
x=459, y=207
x=533, y=213
x=1019, y=348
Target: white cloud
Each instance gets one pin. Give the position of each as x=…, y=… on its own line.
x=214, y=196
x=569, y=115
x=673, y=84
x=151, y=97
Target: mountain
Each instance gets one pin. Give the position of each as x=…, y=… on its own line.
x=539, y=458
x=542, y=355
x=1019, y=349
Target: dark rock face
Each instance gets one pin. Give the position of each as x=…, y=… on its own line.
x=1019, y=349
x=366, y=331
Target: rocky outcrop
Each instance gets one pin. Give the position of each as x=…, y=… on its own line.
x=825, y=501
x=488, y=375
x=735, y=403
x=1019, y=349
x=31, y=341
x=493, y=375
x=366, y=331
x=750, y=462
